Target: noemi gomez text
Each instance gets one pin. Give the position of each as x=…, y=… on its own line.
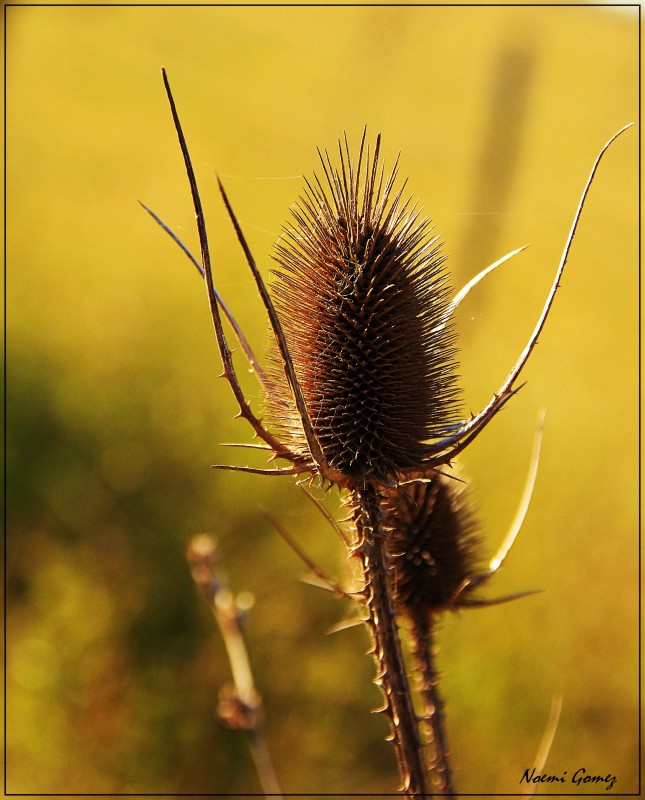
x=579, y=778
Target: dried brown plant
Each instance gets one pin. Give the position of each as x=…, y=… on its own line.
x=435, y=549
x=240, y=703
x=361, y=391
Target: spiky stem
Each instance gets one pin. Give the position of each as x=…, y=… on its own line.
x=422, y=635
x=392, y=675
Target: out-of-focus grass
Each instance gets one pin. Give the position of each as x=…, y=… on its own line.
x=115, y=413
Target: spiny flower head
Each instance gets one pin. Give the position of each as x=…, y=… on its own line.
x=361, y=292
x=432, y=544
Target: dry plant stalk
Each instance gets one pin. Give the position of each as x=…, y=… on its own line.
x=434, y=549
x=361, y=390
x=240, y=704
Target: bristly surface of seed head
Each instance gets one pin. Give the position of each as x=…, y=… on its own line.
x=361, y=293
x=433, y=545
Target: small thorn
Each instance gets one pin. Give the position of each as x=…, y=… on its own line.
x=344, y=625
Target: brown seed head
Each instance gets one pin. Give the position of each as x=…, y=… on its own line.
x=361, y=292
x=432, y=544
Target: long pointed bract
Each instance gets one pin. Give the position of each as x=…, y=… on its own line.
x=312, y=441
x=464, y=291
x=448, y=447
x=520, y=515
x=239, y=335
x=229, y=369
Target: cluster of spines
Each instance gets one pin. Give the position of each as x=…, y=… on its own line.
x=361, y=290
x=432, y=544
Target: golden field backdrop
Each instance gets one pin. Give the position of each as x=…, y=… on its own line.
x=115, y=412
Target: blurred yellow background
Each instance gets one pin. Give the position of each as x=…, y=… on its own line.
x=115, y=413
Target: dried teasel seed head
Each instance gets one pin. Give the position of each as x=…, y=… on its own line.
x=362, y=295
x=432, y=544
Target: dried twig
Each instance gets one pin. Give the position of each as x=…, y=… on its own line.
x=240, y=704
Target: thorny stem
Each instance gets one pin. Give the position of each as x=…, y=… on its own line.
x=421, y=635
x=240, y=704
x=392, y=675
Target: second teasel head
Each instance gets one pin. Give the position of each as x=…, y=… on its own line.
x=433, y=545
x=362, y=296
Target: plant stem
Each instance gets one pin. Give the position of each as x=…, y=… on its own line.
x=421, y=632
x=392, y=675
x=240, y=705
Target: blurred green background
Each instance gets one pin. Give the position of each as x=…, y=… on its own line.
x=115, y=413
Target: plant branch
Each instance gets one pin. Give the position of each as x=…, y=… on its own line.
x=422, y=635
x=240, y=702
x=392, y=675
